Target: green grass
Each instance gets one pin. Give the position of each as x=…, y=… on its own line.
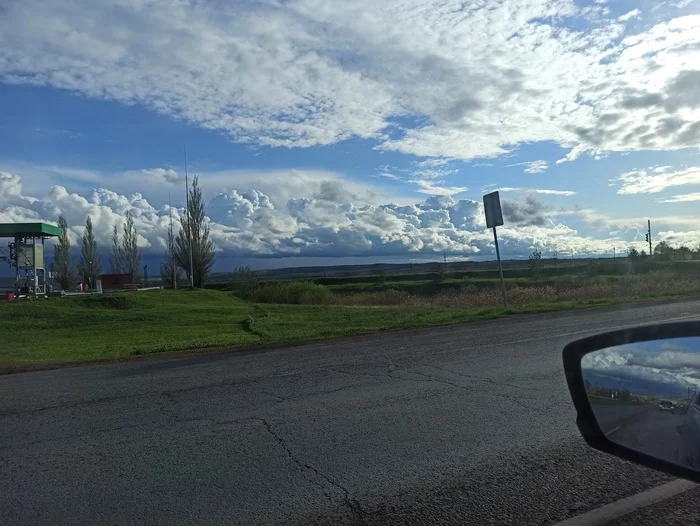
x=75, y=329
x=78, y=329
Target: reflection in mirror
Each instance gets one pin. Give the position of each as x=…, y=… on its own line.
x=646, y=396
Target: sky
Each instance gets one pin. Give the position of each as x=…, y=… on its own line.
x=658, y=366
x=328, y=131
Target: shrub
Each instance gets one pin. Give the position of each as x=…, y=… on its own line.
x=381, y=298
x=244, y=282
x=110, y=301
x=296, y=292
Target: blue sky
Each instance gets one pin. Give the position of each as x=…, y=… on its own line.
x=322, y=130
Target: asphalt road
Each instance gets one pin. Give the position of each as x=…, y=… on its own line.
x=466, y=424
x=643, y=428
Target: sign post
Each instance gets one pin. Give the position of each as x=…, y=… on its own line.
x=494, y=218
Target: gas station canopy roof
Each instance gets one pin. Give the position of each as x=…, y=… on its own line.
x=28, y=230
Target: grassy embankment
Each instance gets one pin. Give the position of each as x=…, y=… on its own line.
x=75, y=329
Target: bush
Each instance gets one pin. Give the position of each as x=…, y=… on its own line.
x=381, y=298
x=295, y=292
x=244, y=282
x=110, y=301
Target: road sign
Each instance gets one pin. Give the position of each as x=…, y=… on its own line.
x=492, y=209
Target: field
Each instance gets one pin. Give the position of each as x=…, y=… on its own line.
x=250, y=312
x=78, y=329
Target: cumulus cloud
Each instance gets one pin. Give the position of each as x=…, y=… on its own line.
x=332, y=220
x=477, y=79
x=526, y=213
x=655, y=179
x=661, y=362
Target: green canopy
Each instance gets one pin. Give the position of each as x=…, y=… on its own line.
x=28, y=230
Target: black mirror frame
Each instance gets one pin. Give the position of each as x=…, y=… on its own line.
x=586, y=420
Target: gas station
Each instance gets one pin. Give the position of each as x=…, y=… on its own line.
x=27, y=256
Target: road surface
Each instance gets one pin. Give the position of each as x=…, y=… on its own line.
x=642, y=428
x=457, y=425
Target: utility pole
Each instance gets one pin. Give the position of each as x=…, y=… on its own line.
x=572, y=253
x=613, y=252
x=172, y=248
x=649, y=234
x=189, y=220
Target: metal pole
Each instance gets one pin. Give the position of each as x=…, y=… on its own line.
x=171, y=237
x=649, y=230
x=34, y=278
x=500, y=268
x=17, y=284
x=189, y=222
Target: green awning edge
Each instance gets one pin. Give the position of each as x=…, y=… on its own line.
x=29, y=230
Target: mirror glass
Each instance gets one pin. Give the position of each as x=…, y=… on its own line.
x=646, y=396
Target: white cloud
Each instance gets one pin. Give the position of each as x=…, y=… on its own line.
x=332, y=220
x=532, y=167
x=430, y=188
x=544, y=191
x=387, y=175
x=683, y=198
x=480, y=78
x=656, y=179
x=167, y=175
x=630, y=15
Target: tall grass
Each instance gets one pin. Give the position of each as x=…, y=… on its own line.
x=290, y=292
x=633, y=286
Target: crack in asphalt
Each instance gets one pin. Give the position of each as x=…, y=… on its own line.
x=482, y=378
x=71, y=405
x=430, y=378
x=350, y=502
x=77, y=435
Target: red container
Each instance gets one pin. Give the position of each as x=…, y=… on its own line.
x=8, y=296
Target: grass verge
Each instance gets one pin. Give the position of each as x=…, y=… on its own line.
x=79, y=329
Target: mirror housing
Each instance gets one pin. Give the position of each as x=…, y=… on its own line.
x=586, y=419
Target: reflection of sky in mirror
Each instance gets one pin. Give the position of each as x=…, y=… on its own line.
x=651, y=366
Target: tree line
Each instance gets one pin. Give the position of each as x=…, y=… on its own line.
x=664, y=251
x=125, y=256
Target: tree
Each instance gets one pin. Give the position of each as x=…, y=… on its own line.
x=89, y=265
x=115, y=257
x=633, y=253
x=129, y=250
x=169, y=273
x=62, y=268
x=194, y=235
x=663, y=250
x=535, y=262
x=244, y=282
x=682, y=253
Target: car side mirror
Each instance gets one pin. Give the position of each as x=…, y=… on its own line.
x=635, y=391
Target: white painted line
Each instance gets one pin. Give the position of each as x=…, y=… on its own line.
x=628, y=505
x=608, y=433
